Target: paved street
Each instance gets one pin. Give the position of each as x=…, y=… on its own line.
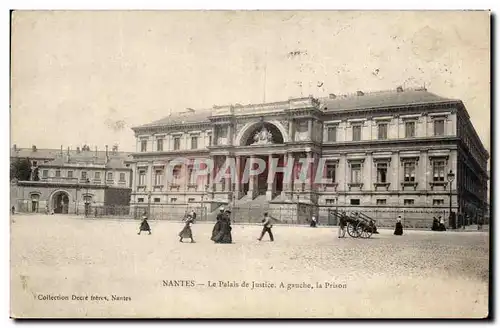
x=419, y=274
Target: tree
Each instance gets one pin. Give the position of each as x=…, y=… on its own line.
x=20, y=169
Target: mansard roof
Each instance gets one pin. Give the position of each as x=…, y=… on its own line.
x=381, y=99
x=194, y=116
x=358, y=100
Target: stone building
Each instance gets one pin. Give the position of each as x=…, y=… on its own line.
x=68, y=181
x=383, y=150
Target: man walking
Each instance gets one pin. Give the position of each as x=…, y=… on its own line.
x=267, y=225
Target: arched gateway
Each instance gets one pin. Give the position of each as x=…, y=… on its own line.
x=262, y=141
x=59, y=202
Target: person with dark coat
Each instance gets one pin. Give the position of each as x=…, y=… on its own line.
x=186, y=232
x=442, y=227
x=399, y=227
x=217, y=225
x=267, y=225
x=144, y=225
x=435, y=224
x=224, y=235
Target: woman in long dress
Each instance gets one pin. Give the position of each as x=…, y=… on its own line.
x=399, y=227
x=224, y=235
x=144, y=226
x=186, y=232
x=217, y=226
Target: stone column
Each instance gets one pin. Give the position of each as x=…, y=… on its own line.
x=227, y=180
x=308, y=185
x=421, y=170
x=291, y=126
x=310, y=129
x=368, y=183
x=287, y=184
x=238, y=178
x=229, y=135
x=251, y=181
x=150, y=180
x=213, y=136
x=270, y=174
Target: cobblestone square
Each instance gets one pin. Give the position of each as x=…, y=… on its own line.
x=107, y=270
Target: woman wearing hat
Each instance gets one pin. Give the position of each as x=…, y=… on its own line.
x=217, y=226
x=399, y=227
x=186, y=231
x=224, y=235
x=144, y=225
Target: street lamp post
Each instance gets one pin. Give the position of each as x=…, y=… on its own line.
x=202, y=201
x=87, y=201
x=451, y=177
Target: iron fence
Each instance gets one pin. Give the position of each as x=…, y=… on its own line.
x=286, y=213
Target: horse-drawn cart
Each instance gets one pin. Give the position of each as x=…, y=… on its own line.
x=357, y=224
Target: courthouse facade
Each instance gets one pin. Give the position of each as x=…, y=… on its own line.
x=384, y=149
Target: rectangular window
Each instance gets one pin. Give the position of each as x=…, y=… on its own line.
x=438, y=127
x=382, y=131
x=194, y=142
x=209, y=140
x=58, y=173
x=332, y=133
x=330, y=172
x=382, y=172
x=173, y=200
x=177, y=172
x=110, y=175
x=159, y=144
x=158, y=177
x=355, y=173
x=140, y=200
x=381, y=201
x=356, y=132
x=122, y=177
x=84, y=175
x=70, y=174
x=330, y=201
x=355, y=202
x=410, y=129
x=438, y=169
x=144, y=145
x=142, y=178
x=409, y=171
x=177, y=143
x=157, y=200
x=438, y=202
x=45, y=173
x=97, y=175
x=408, y=202
x=35, y=163
x=191, y=200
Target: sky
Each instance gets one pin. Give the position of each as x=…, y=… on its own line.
x=88, y=77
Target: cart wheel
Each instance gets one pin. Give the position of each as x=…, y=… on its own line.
x=365, y=230
x=351, y=230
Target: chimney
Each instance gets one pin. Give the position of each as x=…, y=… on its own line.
x=107, y=157
x=95, y=151
x=68, y=156
x=33, y=148
x=78, y=150
x=332, y=96
x=360, y=93
x=14, y=147
x=115, y=149
x=399, y=89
